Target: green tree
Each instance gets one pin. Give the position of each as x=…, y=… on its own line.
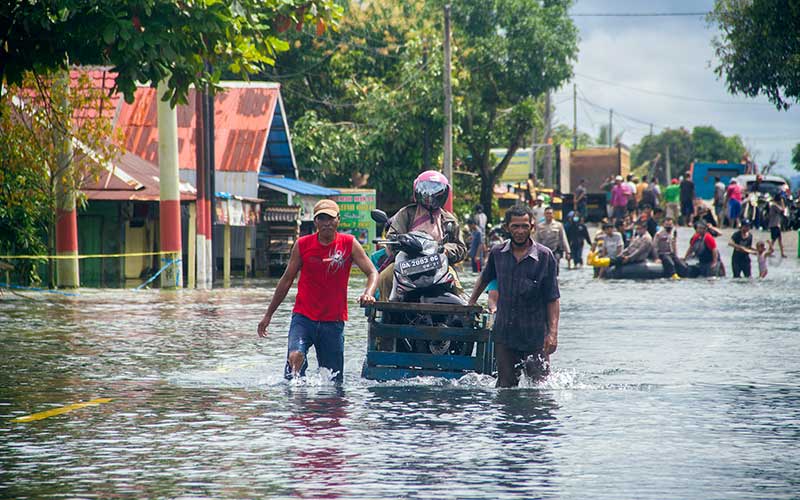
x=709, y=145
x=511, y=52
x=796, y=157
x=148, y=41
x=39, y=115
x=602, y=137
x=562, y=134
x=654, y=147
x=758, y=48
x=365, y=101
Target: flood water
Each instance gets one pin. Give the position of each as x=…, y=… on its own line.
x=660, y=389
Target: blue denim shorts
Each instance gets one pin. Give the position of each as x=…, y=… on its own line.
x=327, y=337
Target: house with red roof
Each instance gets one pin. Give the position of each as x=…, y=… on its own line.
x=253, y=160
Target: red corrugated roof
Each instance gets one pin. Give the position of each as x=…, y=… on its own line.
x=102, y=79
x=242, y=117
x=131, y=178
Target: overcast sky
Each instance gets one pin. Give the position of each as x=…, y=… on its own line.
x=628, y=63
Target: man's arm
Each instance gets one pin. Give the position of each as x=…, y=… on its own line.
x=714, y=257
x=586, y=235
x=741, y=248
x=363, y=263
x=553, y=316
x=480, y=286
x=688, y=251
x=285, y=283
x=489, y=273
x=456, y=250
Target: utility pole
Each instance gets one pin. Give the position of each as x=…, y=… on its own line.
x=668, y=168
x=66, y=226
x=574, y=116
x=651, y=129
x=610, y=127
x=169, y=196
x=203, y=257
x=448, y=100
x=426, y=133
x=548, y=152
x=533, y=152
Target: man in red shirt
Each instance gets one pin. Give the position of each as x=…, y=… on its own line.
x=323, y=260
x=704, y=247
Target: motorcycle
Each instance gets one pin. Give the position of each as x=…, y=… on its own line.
x=756, y=208
x=791, y=220
x=422, y=274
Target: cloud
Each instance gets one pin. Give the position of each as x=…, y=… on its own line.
x=621, y=58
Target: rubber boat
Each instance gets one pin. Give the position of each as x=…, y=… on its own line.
x=644, y=271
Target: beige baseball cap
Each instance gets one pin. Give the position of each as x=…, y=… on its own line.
x=327, y=207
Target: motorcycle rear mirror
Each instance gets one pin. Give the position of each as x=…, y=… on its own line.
x=379, y=216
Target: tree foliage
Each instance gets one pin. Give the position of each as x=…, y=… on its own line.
x=365, y=101
x=796, y=157
x=703, y=144
x=368, y=99
x=36, y=117
x=511, y=53
x=149, y=40
x=710, y=145
x=758, y=48
x=562, y=134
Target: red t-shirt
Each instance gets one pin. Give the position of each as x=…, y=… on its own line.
x=709, y=240
x=735, y=192
x=325, y=271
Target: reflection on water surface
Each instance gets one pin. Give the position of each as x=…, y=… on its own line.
x=660, y=390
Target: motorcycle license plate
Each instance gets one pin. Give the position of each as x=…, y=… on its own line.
x=420, y=264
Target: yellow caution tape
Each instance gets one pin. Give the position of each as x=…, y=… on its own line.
x=92, y=256
x=58, y=411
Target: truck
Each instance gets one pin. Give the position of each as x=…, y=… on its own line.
x=704, y=176
x=595, y=165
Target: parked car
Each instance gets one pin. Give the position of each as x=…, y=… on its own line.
x=769, y=184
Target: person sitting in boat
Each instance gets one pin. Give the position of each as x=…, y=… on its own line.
x=426, y=214
x=639, y=250
x=704, y=247
x=666, y=246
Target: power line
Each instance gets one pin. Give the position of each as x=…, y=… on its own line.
x=671, y=96
x=643, y=122
x=640, y=14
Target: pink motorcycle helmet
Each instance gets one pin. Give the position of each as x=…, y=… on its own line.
x=431, y=189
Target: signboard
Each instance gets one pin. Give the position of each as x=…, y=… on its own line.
x=355, y=206
x=519, y=166
x=236, y=212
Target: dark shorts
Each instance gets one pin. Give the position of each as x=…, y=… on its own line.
x=327, y=337
x=511, y=362
x=740, y=265
x=775, y=233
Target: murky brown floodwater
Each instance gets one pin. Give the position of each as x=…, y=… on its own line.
x=661, y=390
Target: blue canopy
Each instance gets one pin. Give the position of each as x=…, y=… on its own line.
x=294, y=186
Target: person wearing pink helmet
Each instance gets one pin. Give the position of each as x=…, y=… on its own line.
x=426, y=214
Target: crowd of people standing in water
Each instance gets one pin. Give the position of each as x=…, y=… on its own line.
x=521, y=264
x=640, y=227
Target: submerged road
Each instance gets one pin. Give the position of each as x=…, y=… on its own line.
x=661, y=389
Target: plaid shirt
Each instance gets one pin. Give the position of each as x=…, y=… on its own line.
x=525, y=288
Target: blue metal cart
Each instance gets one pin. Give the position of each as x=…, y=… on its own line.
x=389, y=341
